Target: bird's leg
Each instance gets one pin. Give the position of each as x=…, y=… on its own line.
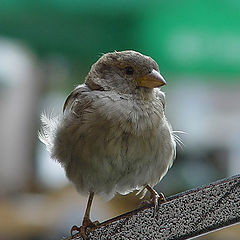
x=87, y=223
x=156, y=198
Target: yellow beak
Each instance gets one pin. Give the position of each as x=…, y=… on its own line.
x=152, y=80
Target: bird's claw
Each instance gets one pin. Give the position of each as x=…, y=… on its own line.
x=86, y=227
x=75, y=228
x=82, y=231
x=157, y=199
x=162, y=198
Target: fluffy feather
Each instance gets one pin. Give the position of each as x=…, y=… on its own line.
x=113, y=135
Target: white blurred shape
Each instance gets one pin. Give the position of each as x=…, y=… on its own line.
x=49, y=172
x=18, y=96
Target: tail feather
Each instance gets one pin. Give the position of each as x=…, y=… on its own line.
x=48, y=129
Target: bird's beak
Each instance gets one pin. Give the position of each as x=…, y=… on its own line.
x=151, y=80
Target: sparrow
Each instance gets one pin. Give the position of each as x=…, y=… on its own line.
x=113, y=136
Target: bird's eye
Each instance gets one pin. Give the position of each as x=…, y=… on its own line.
x=129, y=70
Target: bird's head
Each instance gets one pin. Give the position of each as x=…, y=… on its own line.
x=124, y=72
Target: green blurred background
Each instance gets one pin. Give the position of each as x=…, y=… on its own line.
x=200, y=37
x=47, y=48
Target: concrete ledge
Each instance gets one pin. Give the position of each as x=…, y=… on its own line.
x=185, y=215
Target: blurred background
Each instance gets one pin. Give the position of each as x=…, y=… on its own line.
x=47, y=48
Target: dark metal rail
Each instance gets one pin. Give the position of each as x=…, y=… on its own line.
x=183, y=216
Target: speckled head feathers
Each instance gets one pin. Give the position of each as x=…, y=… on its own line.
x=129, y=57
x=120, y=71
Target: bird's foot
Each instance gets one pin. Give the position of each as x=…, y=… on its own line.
x=156, y=198
x=86, y=227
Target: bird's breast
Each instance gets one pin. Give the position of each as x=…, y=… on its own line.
x=114, y=142
x=130, y=115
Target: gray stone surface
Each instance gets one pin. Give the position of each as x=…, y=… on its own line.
x=183, y=216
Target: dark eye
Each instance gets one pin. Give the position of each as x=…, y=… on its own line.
x=129, y=70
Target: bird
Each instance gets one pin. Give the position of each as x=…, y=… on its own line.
x=113, y=135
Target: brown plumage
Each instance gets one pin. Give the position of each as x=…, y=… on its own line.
x=113, y=135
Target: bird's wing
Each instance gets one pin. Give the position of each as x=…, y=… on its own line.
x=74, y=95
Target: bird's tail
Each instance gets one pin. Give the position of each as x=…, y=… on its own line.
x=48, y=130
